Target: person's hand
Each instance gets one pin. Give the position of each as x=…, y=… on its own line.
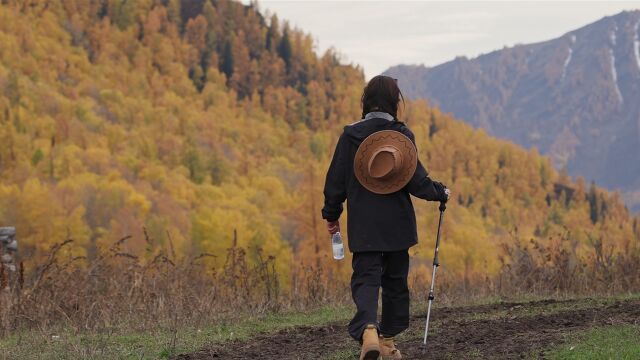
x=443, y=191
x=333, y=226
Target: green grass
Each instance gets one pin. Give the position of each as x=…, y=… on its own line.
x=124, y=344
x=611, y=342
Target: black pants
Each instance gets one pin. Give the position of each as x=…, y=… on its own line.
x=372, y=270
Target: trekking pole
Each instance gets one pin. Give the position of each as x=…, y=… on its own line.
x=436, y=263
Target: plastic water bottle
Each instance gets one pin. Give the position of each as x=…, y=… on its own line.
x=338, y=247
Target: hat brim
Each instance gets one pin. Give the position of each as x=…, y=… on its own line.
x=401, y=177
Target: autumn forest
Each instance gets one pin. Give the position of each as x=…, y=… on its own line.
x=195, y=128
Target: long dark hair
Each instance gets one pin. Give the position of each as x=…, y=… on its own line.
x=381, y=94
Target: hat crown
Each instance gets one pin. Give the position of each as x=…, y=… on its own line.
x=384, y=162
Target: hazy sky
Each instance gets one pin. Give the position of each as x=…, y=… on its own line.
x=379, y=34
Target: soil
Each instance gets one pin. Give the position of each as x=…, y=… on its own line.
x=496, y=331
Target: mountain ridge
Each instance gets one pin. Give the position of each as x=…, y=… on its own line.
x=572, y=87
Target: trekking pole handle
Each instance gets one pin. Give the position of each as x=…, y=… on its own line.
x=443, y=206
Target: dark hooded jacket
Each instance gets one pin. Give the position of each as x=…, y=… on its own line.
x=375, y=222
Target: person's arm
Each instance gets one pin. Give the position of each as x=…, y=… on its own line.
x=335, y=187
x=421, y=185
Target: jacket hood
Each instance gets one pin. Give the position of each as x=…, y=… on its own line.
x=359, y=131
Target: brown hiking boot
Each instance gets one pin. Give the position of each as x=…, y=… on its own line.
x=388, y=349
x=370, y=344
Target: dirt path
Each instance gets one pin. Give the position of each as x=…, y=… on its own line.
x=500, y=331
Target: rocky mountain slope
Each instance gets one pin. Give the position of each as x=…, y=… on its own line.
x=575, y=98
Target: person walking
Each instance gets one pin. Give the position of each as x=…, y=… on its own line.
x=375, y=168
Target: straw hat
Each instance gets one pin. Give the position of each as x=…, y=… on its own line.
x=385, y=162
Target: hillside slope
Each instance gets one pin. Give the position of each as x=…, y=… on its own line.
x=197, y=126
x=574, y=98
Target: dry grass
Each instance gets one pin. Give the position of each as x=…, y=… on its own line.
x=158, y=290
x=555, y=267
